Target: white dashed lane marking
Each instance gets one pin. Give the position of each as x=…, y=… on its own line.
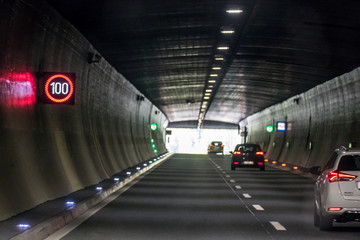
x=238, y=187
x=227, y=176
x=258, y=207
x=278, y=226
x=246, y=195
x=232, y=180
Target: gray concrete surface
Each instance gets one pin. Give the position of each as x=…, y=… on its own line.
x=48, y=151
x=319, y=120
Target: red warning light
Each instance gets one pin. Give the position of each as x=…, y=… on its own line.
x=59, y=88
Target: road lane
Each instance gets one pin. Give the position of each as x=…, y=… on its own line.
x=186, y=197
x=287, y=199
x=199, y=197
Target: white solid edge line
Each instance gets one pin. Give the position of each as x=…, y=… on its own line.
x=246, y=195
x=258, y=207
x=278, y=226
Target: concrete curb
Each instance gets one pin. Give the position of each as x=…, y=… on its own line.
x=53, y=224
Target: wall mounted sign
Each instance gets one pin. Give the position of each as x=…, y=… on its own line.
x=58, y=88
x=281, y=126
x=153, y=126
x=269, y=128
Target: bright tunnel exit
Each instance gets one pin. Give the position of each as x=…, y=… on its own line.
x=196, y=141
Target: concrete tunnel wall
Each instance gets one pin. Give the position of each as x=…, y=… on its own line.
x=319, y=121
x=48, y=151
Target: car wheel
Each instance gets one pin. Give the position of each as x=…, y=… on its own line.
x=325, y=223
x=316, y=217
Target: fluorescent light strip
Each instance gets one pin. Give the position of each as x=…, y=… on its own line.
x=227, y=32
x=234, y=11
x=213, y=75
x=223, y=48
x=216, y=68
x=212, y=81
x=219, y=59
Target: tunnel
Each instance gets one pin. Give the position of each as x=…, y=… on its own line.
x=90, y=90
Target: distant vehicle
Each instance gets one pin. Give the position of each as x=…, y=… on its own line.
x=337, y=189
x=247, y=155
x=216, y=147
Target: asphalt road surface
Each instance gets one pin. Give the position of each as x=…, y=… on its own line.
x=199, y=197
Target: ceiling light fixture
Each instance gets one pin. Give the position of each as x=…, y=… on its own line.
x=206, y=98
x=213, y=75
x=207, y=94
x=227, y=31
x=212, y=81
x=216, y=68
x=219, y=59
x=208, y=90
x=223, y=48
x=234, y=11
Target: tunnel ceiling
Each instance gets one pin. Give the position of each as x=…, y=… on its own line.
x=170, y=49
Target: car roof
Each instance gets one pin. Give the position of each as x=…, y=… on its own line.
x=247, y=144
x=344, y=150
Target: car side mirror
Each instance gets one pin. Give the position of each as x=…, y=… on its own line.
x=315, y=170
x=230, y=152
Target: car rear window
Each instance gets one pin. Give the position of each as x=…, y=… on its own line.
x=217, y=143
x=247, y=148
x=349, y=163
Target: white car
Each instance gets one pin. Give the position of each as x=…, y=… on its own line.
x=337, y=189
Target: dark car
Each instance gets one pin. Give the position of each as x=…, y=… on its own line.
x=216, y=147
x=247, y=155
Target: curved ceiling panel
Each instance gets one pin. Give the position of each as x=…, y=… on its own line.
x=195, y=61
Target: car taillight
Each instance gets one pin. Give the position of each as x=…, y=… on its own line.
x=259, y=153
x=236, y=163
x=222, y=145
x=211, y=145
x=237, y=153
x=339, y=176
x=334, y=209
x=260, y=163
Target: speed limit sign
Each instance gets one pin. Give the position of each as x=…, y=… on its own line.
x=59, y=88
